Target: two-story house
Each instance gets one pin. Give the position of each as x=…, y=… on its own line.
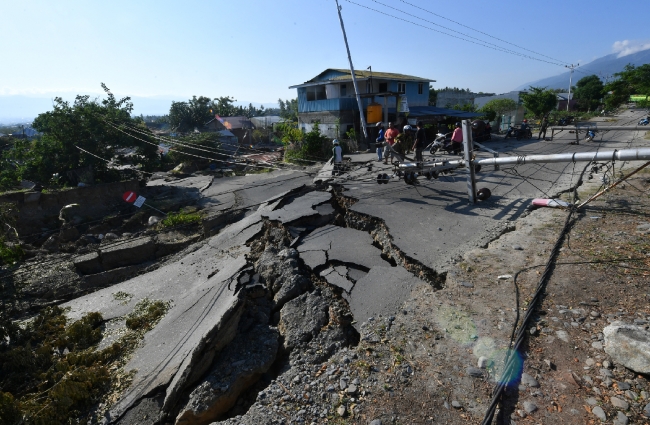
x=330, y=99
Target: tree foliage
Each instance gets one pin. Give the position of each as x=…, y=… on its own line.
x=497, y=107
x=289, y=109
x=198, y=111
x=88, y=124
x=539, y=100
x=589, y=90
x=632, y=80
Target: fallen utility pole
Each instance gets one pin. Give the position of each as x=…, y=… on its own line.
x=362, y=118
x=640, y=154
x=586, y=127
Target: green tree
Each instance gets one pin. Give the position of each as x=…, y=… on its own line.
x=632, y=80
x=539, y=101
x=185, y=116
x=96, y=127
x=589, y=90
x=433, y=96
x=497, y=107
x=289, y=109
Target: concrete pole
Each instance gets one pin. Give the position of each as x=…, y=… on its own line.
x=641, y=154
x=572, y=67
x=354, y=78
x=469, y=148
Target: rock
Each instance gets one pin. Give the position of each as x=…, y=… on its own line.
x=110, y=237
x=607, y=364
x=619, y=403
x=517, y=248
x=563, y=335
x=475, y=372
x=590, y=362
x=646, y=410
x=341, y=411
x=591, y=401
x=455, y=404
x=68, y=234
x=599, y=413
x=88, y=264
x=528, y=380
x=352, y=389
x=628, y=345
x=51, y=244
x=482, y=362
x=376, y=422
x=597, y=345
x=343, y=384
x=302, y=318
x=621, y=419
x=154, y=219
x=594, y=314
x=623, y=386
x=68, y=212
x=504, y=277
x=530, y=407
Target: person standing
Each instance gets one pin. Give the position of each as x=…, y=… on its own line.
x=379, y=143
x=420, y=142
x=542, y=128
x=390, y=135
x=337, y=153
x=457, y=139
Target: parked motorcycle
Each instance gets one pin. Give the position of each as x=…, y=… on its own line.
x=442, y=142
x=591, y=134
x=644, y=121
x=518, y=133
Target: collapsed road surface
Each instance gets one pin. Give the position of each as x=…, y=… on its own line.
x=293, y=280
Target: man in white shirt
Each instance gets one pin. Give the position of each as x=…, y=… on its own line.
x=337, y=153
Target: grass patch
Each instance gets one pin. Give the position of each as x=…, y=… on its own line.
x=51, y=372
x=180, y=218
x=10, y=253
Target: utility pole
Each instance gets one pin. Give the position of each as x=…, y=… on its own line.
x=572, y=67
x=354, y=78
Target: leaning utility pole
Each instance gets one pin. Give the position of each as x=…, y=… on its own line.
x=354, y=78
x=572, y=67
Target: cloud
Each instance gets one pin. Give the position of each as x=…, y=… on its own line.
x=627, y=47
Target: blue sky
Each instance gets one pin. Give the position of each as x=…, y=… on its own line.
x=253, y=50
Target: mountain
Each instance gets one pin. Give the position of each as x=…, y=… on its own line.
x=605, y=66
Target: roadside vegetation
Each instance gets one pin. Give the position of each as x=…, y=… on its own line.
x=54, y=374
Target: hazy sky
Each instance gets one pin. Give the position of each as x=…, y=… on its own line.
x=253, y=50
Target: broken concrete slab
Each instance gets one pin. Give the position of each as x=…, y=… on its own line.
x=88, y=263
x=337, y=276
x=341, y=244
x=128, y=253
x=203, y=317
x=301, y=207
x=381, y=291
x=239, y=365
x=628, y=345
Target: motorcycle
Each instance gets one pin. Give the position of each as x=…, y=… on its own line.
x=644, y=121
x=519, y=133
x=443, y=142
x=590, y=135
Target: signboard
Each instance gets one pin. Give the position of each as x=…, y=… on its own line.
x=138, y=202
x=404, y=106
x=129, y=196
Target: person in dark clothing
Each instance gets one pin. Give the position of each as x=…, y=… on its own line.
x=420, y=142
x=542, y=128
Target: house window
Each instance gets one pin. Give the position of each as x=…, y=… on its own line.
x=316, y=93
x=401, y=87
x=344, y=90
x=383, y=87
x=420, y=88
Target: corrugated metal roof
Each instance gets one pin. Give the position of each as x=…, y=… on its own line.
x=361, y=75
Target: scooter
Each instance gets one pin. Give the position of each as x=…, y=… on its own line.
x=441, y=142
x=644, y=121
x=590, y=135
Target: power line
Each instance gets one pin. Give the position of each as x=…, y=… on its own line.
x=500, y=49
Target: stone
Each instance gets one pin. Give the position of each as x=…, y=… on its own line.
x=623, y=386
x=528, y=380
x=607, y=364
x=599, y=413
x=646, y=410
x=597, y=345
x=628, y=345
x=376, y=422
x=621, y=419
x=563, y=335
x=619, y=403
x=606, y=373
x=592, y=401
x=530, y=407
x=590, y=362
x=302, y=318
x=129, y=253
x=631, y=395
x=594, y=314
x=343, y=384
x=153, y=220
x=68, y=234
x=351, y=389
x=482, y=362
x=455, y=404
x=475, y=372
x=88, y=264
x=341, y=411
x=517, y=248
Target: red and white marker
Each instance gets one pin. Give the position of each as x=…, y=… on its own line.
x=129, y=197
x=553, y=203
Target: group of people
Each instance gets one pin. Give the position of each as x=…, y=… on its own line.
x=393, y=141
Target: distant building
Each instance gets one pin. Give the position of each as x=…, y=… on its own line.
x=513, y=117
x=562, y=99
x=240, y=127
x=448, y=98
